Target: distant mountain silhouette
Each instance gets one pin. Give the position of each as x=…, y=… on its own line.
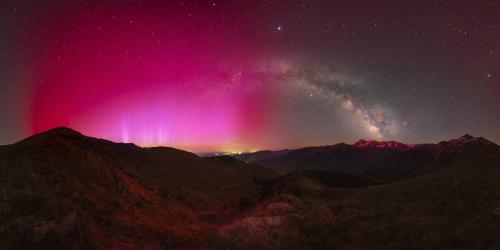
x=382, y=144
x=424, y=158
x=262, y=155
x=383, y=160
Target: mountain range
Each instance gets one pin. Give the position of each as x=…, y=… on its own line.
x=383, y=160
x=63, y=190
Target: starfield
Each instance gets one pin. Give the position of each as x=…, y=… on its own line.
x=151, y=124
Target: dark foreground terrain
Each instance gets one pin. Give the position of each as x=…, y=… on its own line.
x=63, y=190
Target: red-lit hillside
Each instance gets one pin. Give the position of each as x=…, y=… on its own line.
x=381, y=144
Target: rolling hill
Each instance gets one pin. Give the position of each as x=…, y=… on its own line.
x=65, y=189
x=457, y=207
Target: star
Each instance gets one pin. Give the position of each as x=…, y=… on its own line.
x=279, y=28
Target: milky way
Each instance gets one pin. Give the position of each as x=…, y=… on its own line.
x=250, y=75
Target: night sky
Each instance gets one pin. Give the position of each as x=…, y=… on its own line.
x=250, y=75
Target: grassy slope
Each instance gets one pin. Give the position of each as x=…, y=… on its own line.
x=453, y=208
x=457, y=207
x=57, y=193
x=63, y=189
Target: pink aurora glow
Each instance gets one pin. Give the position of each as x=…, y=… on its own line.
x=167, y=80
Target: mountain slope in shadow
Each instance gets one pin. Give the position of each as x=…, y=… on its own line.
x=72, y=191
x=457, y=207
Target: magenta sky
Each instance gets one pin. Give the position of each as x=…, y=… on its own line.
x=249, y=75
x=153, y=79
